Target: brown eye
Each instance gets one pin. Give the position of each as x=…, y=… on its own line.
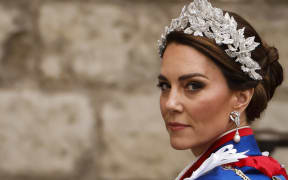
x=193, y=86
x=164, y=86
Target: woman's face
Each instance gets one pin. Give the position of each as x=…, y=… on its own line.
x=195, y=99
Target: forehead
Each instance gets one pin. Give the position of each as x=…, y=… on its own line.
x=181, y=59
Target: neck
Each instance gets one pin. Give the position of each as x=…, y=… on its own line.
x=199, y=150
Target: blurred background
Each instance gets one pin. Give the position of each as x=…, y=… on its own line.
x=78, y=96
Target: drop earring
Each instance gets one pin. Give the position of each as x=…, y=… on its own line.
x=235, y=117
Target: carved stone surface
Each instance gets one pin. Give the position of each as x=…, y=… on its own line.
x=78, y=97
x=274, y=118
x=97, y=43
x=7, y=25
x=43, y=133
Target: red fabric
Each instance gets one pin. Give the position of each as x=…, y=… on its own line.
x=267, y=165
x=217, y=144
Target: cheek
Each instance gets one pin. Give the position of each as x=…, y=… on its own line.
x=162, y=106
x=209, y=108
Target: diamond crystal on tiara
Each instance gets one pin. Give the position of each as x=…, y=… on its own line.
x=199, y=18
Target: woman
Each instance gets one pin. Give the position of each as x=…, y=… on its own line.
x=217, y=76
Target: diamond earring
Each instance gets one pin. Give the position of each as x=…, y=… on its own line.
x=235, y=117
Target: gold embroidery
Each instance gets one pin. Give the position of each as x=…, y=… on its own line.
x=275, y=178
x=237, y=171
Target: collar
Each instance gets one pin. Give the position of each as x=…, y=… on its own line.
x=247, y=142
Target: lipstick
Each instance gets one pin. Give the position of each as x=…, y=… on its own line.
x=175, y=126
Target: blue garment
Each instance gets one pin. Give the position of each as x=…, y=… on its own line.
x=247, y=143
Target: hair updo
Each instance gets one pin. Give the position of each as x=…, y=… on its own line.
x=266, y=56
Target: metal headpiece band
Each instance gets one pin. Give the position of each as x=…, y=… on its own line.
x=201, y=19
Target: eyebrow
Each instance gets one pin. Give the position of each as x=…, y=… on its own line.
x=187, y=76
x=183, y=77
x=162, y=77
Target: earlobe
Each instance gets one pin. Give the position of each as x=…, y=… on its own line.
x=243, y=99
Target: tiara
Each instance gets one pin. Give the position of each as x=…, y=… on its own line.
x=199, y=18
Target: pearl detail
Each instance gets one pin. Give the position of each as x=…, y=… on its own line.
x=235, y=117
x=265, y=153
x=237, y=137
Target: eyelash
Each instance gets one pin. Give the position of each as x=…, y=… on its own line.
x=160, y=85
x=195, y=86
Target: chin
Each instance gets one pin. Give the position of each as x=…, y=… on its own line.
x=179, y=145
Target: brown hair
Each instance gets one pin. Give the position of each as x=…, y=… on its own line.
x=266, y=56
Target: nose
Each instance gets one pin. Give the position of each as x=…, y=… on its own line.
x=174, y=103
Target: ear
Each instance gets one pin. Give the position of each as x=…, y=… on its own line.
x=242, y=99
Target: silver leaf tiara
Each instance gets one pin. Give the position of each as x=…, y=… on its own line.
x=200, y=19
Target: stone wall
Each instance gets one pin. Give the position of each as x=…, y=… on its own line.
x=78, y=96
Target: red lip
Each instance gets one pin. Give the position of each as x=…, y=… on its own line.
x=175, y=126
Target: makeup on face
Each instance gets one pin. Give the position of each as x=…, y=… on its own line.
x=195, y=98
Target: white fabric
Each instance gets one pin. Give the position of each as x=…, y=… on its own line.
x=225, y=155
x=207, y=165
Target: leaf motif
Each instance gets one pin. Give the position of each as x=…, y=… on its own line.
x=226, y=17
x=198, y=33
x=228, y=41
x=188, y=31
x=232, y=48
x=225, y=155
x=184, y=22
x=245, y=69
x=183, y=11
x=241, y=32
x=209, y=34
x=233, y=23
x=249, y=41
x=199, y=18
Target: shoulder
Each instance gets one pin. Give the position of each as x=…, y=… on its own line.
x=220, y=173
x=261, y=166
x=231, y=173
